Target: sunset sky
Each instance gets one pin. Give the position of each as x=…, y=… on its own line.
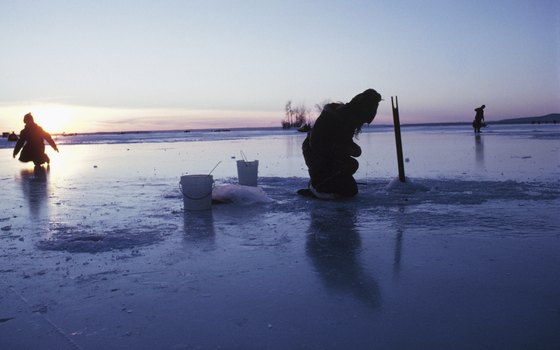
x=86, y=66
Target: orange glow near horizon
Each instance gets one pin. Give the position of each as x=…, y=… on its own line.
x=54, y=118
x=59, y=118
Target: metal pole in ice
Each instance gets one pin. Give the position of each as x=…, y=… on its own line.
x=398, y=141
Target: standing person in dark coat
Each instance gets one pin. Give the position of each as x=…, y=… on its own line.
x=31, y=139
x=478, y=121
x=329, y=149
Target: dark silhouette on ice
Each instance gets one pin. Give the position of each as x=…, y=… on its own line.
x=333, y=245
x=478, y=121
x=329, y=149
x=31, y=143
x=13, y=137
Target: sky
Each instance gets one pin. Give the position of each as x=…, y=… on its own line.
x=118, y=65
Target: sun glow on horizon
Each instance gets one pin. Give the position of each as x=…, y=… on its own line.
x=60, y=118
x=53, y=118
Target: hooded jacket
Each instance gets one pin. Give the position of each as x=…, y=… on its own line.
x=31, y=140
x=330, y=143
x=330, y=140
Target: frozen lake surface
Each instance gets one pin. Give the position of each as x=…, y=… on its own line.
x=97, y=252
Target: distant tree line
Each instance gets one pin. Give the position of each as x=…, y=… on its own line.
x=298, y=116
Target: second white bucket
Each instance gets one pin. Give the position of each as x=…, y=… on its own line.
x=197, y=191
x=247, y=172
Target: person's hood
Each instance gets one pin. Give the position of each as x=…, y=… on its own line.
x=363, y=107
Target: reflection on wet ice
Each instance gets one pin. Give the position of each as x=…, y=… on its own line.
x=34, y=184
x=334, y=245
x=479, y=151
x=199, y=227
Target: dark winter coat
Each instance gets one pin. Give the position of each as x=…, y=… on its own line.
x=31, y=139
x=479, y=116
x=329, y=149
x=478, y=121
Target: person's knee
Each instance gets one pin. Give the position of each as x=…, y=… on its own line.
x=348, y=187
x=346, y=166
x=352, y=166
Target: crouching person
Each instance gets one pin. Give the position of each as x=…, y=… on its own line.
x=31, y=143
x=329, y=149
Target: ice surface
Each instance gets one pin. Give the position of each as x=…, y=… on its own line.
x=98, y=252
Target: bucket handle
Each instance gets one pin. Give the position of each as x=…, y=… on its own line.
x=197, y=198
x=211, y=171
x=244, y=157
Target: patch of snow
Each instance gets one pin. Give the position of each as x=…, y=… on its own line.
x=240, y=194
x=407, y=187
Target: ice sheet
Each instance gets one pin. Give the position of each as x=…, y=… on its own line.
x=98, y=252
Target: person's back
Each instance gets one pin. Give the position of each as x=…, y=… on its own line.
x=31, y=143
x=326, y=134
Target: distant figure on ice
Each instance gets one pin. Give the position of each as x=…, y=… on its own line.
x=12, y=137
x=329, y=149
x=478, y=121
x=31, y=139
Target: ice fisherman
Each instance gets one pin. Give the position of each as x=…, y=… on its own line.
x=329, y=149
x=31, y=143
x=478, y=121
x=12, y=137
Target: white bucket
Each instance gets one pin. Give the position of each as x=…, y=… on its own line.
x=247, y=172
x=197, y=191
